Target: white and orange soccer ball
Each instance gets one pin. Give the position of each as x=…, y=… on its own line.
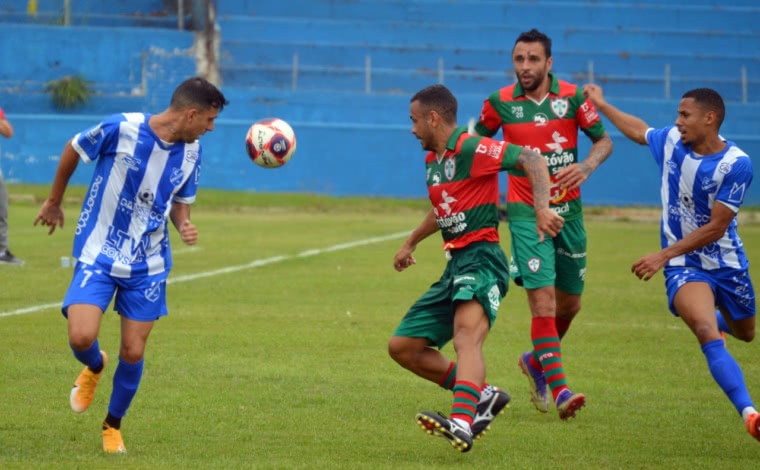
x=270, y=142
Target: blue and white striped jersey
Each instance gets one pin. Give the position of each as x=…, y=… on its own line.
x=690, y=186
x=123, y=225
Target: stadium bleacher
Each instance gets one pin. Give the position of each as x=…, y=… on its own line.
x=340, y=68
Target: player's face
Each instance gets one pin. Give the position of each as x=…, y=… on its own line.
x=421, y=125
x=692, y=122
x=198, y=123
x=531, y=65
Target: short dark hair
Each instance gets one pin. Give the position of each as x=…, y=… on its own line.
x=439, y=99
x=708, y=100
x=535, y=35
x=198, y=92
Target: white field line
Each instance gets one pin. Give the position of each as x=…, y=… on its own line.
x=240, y=267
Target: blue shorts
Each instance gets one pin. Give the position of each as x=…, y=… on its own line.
x=732, y=288
x=141, y=298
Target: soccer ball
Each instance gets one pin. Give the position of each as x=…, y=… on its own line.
x=270, y=142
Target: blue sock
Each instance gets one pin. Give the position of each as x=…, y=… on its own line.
x=90, y=357
x=722, y=325
x=726, y=371
x=126, y=379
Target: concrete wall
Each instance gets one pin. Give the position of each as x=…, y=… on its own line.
x=350, y=141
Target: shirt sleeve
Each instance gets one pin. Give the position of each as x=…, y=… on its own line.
x=491, y=156
x=97, y=140
x=735, y=184
x=489, y=122
x=657, y=138
x=188, y=191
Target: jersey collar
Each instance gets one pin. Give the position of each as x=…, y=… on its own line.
x=452, y=143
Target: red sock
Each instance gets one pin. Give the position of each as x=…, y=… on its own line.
x=546, y=345
x=466, y=397
x=563, y=324
x=450, y=377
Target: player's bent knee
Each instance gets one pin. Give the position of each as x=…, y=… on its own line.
x=745, y=335
x=399, y=350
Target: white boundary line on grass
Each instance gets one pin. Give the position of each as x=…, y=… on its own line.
x=241, y=267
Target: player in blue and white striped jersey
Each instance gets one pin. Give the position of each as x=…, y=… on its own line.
x=146, y=173
x=704, y=179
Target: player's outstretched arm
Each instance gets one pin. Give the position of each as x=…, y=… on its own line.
x=534, y=165
x=631, y=126
x=720, y=218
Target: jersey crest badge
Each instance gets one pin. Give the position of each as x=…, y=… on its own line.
x=450, y=168
x=560, y=107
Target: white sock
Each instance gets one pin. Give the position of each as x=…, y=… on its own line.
x=747, y=412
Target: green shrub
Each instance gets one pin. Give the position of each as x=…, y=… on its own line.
x=69, y=92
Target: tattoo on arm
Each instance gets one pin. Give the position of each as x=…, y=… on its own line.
x=534, y=166
x=599, y=152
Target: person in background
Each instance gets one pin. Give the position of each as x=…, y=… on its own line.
x=704, y=179
x=146, y=174
x=6, y=257
x=544, y=113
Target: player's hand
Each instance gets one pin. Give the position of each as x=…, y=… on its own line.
x=647, y=266
x=594, y=93
x=51, y=215
x=403, y=259
x=188, y=233
x=573, y=176
x=548, y=222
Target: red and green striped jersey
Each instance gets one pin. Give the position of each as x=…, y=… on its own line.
x=463, y=186
x=549, y=127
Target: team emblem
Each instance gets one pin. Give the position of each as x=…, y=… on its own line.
x=450, y=169
x=560, y=107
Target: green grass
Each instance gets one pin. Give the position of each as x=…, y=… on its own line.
x=285, y=366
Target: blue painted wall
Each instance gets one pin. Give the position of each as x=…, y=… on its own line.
x=351, y=142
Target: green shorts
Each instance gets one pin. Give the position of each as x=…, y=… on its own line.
x=478, y=271
x=558, y=261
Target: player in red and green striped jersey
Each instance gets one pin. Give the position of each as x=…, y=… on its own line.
x=463, y=186
x=543, y=113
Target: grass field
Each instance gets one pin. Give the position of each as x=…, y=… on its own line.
x=274, y=354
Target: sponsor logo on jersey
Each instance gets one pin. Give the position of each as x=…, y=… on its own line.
x=493, y=150
x=540, y=119
x=560, y=106
x=191, y=156
x=558, y=139
x=563, y=209
x=445, y=205
x=128, y=161
x=93, y=134
x=89, y=204
x=556, y=193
